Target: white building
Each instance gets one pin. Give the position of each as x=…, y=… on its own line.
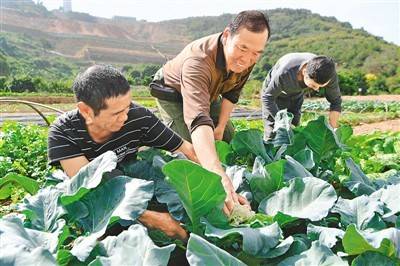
x=67, y=6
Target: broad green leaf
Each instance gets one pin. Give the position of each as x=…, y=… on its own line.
x=256, y=241
x=132, y=247
x=389, y=196
x=371, y=258
x=294, y=169
x=326, y=236
x=12, y=179
x=320, y=138
x=307, y=198
x=236, y=174
x=284, y=220
x=43, y=209
x=88, y=177
x=358, y=182
x=269, y=181
x=150, y=169
x=22, y=246
x=280, y=249
x=305, y=157
x=199, y=189
x=250, y=142
x=343, y=133
x=282, y=128
x=201, y=252
x=359, y=211
x=20, y=256
x=122, y=197
x=224, y=151
x=317, y=255
x=386, y=241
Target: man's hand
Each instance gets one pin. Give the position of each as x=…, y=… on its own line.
x=219, y=132
x=232, y=198
x=164, y=222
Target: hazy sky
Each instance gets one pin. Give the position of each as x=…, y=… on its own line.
x=379, y=17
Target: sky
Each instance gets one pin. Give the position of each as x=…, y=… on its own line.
x=379, y=17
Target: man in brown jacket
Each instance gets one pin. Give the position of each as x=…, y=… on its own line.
x=189, y=87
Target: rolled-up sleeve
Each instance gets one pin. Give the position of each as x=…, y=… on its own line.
x=271, y=89
x=333, y=95
x=195, y=84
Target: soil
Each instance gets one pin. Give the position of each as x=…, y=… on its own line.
x=389, y=125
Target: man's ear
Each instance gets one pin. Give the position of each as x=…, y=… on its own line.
x=225, y=35
x=86, y=111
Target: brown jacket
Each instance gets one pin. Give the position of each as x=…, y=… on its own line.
x=199, y=73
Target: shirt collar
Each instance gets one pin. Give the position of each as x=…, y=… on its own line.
x=220, y=60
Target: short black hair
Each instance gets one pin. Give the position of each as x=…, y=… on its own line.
x=321, y=69
x=98, y=83
x=252, y=20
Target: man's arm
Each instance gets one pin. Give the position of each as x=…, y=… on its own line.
x=203, y=143
x=333, y=95
x=73, y=165
x=187, y=149
x=163, y=222
x=334, y=119
x=226, y=110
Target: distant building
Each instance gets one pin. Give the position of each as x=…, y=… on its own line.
x=67, y=6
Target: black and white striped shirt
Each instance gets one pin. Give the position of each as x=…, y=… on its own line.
x=69, y=138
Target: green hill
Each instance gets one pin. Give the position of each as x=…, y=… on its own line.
x=52, y=44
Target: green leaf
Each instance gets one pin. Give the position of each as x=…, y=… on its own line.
x=132, y=247
x=359, y=211
x=44, y=209
x=256, y=241
x=358, y=182
x=200, y=190
x=321, y=139
x=271, y=180
x=201, y=252
x=326, y=236
x=250, y=142
x=224, y=151
x=307, y=198
x=29, y=185
x=344, y=133
x=22, y=246
x=282, y=128
x=305, y=157
x=371, y=258
x=294, y=169
x=317, y=255
x=386, y=241
x=88, y=177
x=390, y=196
x=150, y=169
x=122, y=197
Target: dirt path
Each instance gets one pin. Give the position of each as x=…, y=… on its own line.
x=389, y=125
x=384, y=98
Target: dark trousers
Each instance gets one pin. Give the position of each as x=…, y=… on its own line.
x=293, y=105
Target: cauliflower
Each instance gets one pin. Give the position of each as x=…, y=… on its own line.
x=240, y=214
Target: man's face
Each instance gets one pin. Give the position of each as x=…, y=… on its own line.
x=312, y=84
x=243, y=49
x=112, y=118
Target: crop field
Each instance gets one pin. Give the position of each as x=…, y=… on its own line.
x=318, y=197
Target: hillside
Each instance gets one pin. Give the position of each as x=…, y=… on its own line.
x=54, y=44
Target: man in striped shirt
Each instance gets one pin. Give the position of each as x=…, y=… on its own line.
x=107, y=120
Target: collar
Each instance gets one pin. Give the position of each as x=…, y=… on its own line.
x=220, y=59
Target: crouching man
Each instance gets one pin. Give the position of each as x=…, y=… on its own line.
x=106, y=119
